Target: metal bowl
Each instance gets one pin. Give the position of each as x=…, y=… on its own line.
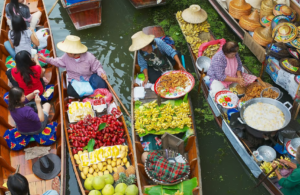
x=267, y=152
x=274, y=89
x=203, y=62
x=295, y=143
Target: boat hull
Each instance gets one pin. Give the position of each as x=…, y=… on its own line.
x=141, y=4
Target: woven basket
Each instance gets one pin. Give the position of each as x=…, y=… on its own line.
x=238, y=8
x=250, y=22
x=266, y=8
x=166, y=154
x=263, y=36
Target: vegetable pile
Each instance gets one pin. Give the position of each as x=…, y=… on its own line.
x=106, y=130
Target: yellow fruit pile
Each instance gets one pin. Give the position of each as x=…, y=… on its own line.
x=150, y=116
x=192, y=32
x=108, y=166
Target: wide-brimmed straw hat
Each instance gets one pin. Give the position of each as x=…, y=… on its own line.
x=285, y=32
x=140, y=40
x=72, y=45
x=282, y=9
x=194, y=14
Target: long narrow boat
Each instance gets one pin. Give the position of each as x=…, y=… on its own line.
x=10, y=159
x=140, y=4
x=65, y=101
x=85, y=14
x=255, y=48
x=239, y=145
x=191, y=148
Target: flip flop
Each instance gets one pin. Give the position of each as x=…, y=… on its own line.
x=56, y=184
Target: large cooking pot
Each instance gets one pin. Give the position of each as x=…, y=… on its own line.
x=282, y=106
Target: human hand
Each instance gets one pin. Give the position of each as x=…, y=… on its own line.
x=241, y=81
x=182, y=68
x=36, y=92
x=103, y=76
x=41, y=56
x=36, y=58
x=37, y=99
x=274, y=165
x=32, y=30
x=145, y=81
x=283, y=161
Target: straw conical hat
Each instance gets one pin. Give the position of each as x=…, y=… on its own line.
x=266, y=8
x=250, y=22
x=140, y=40
x=240, y=4
x=254, y=3
x=266, y=20
x=285, y=32
x=72, y=45
x=281, y=9
x=194, y=14
x=263, y=36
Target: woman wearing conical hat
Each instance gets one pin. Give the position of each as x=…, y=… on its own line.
x=78, y=63
x=154, y=56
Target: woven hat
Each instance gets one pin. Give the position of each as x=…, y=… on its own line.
x=293, y=53
x=282, y=9
x=254, y=3
x=72, y=45
x=266, y=8
x=250, y=22
x=290, y=65
x=263, y=36
x=140, y=40
x=285, y=32
x=278, y=51
x=266, y=20
x=296, y=43
x=238, y=8
x=278, y=19
x=194, y=14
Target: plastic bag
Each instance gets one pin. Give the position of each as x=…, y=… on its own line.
x=82, y=87
x=205, y=45
x=101, y=91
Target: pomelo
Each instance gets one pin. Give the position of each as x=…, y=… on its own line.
x=131, y=190
x=109, y=179
x=88, y=183
x=120, y=188
x=108, y=190
x=94, y=192
x=98, y=183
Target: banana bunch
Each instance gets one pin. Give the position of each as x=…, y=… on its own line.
x=140, y=131
x=279, y=165
x=178, y=193
x=151, y=104
x=211, y=50
x=267, y=167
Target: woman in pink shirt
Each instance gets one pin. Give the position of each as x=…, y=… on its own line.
x=79, y=64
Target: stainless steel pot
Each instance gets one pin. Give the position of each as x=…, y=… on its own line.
x=282, y=106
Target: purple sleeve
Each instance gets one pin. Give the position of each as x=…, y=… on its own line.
x=239, y=62
x=58, y=62
x=96, y=66
x=31, y=115
x=26, y=100
x=218, y=64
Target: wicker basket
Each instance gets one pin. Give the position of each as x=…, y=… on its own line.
x=263, y=36
x=250, y=22
x=266, y=8
x=166, y=154
x=238, y=8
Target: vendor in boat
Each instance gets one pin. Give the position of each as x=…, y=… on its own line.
x=154, y=56
x=291, y=184
x=79, y=64
x=226, y=68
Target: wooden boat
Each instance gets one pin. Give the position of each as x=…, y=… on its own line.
x=85, y=14
x=238, y=144
x=191, y=148
x=65, y=101
x=10, y=159
x=255, y=48
x=140, y=4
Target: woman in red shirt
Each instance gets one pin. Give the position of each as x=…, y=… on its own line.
x=27, y=74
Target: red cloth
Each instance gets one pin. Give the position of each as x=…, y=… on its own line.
x=36, y=82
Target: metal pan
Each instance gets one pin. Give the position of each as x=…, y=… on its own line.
x=282, y=106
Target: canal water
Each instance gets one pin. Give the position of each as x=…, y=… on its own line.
x=223, y=172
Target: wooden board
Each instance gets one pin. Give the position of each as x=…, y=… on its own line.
x=192, y=152
x=140, y=4
x=86, y=14
x=13, y=158
x=66, y=125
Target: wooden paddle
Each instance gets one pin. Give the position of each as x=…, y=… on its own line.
x=113, y=91
x=266, y=177
x=52, y=7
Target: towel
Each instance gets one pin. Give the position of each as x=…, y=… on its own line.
x=35, y=152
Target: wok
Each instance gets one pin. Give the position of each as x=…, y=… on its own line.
x=282, y=106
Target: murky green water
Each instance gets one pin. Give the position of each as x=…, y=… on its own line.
x=223, y=172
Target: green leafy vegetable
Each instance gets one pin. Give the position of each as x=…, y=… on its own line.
x=90, y=145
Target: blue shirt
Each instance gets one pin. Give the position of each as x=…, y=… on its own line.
x=163, y=48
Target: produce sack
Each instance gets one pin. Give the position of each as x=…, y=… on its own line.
x=98, y=94
x=82, y=87
x=42, y=36
x=205, y=45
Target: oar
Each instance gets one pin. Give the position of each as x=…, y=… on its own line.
x=52, y=7
x=183, y=61
x=266, y=177
x=113, y=91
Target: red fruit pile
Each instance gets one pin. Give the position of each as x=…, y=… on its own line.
x=99, y=102
x=86, y=129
